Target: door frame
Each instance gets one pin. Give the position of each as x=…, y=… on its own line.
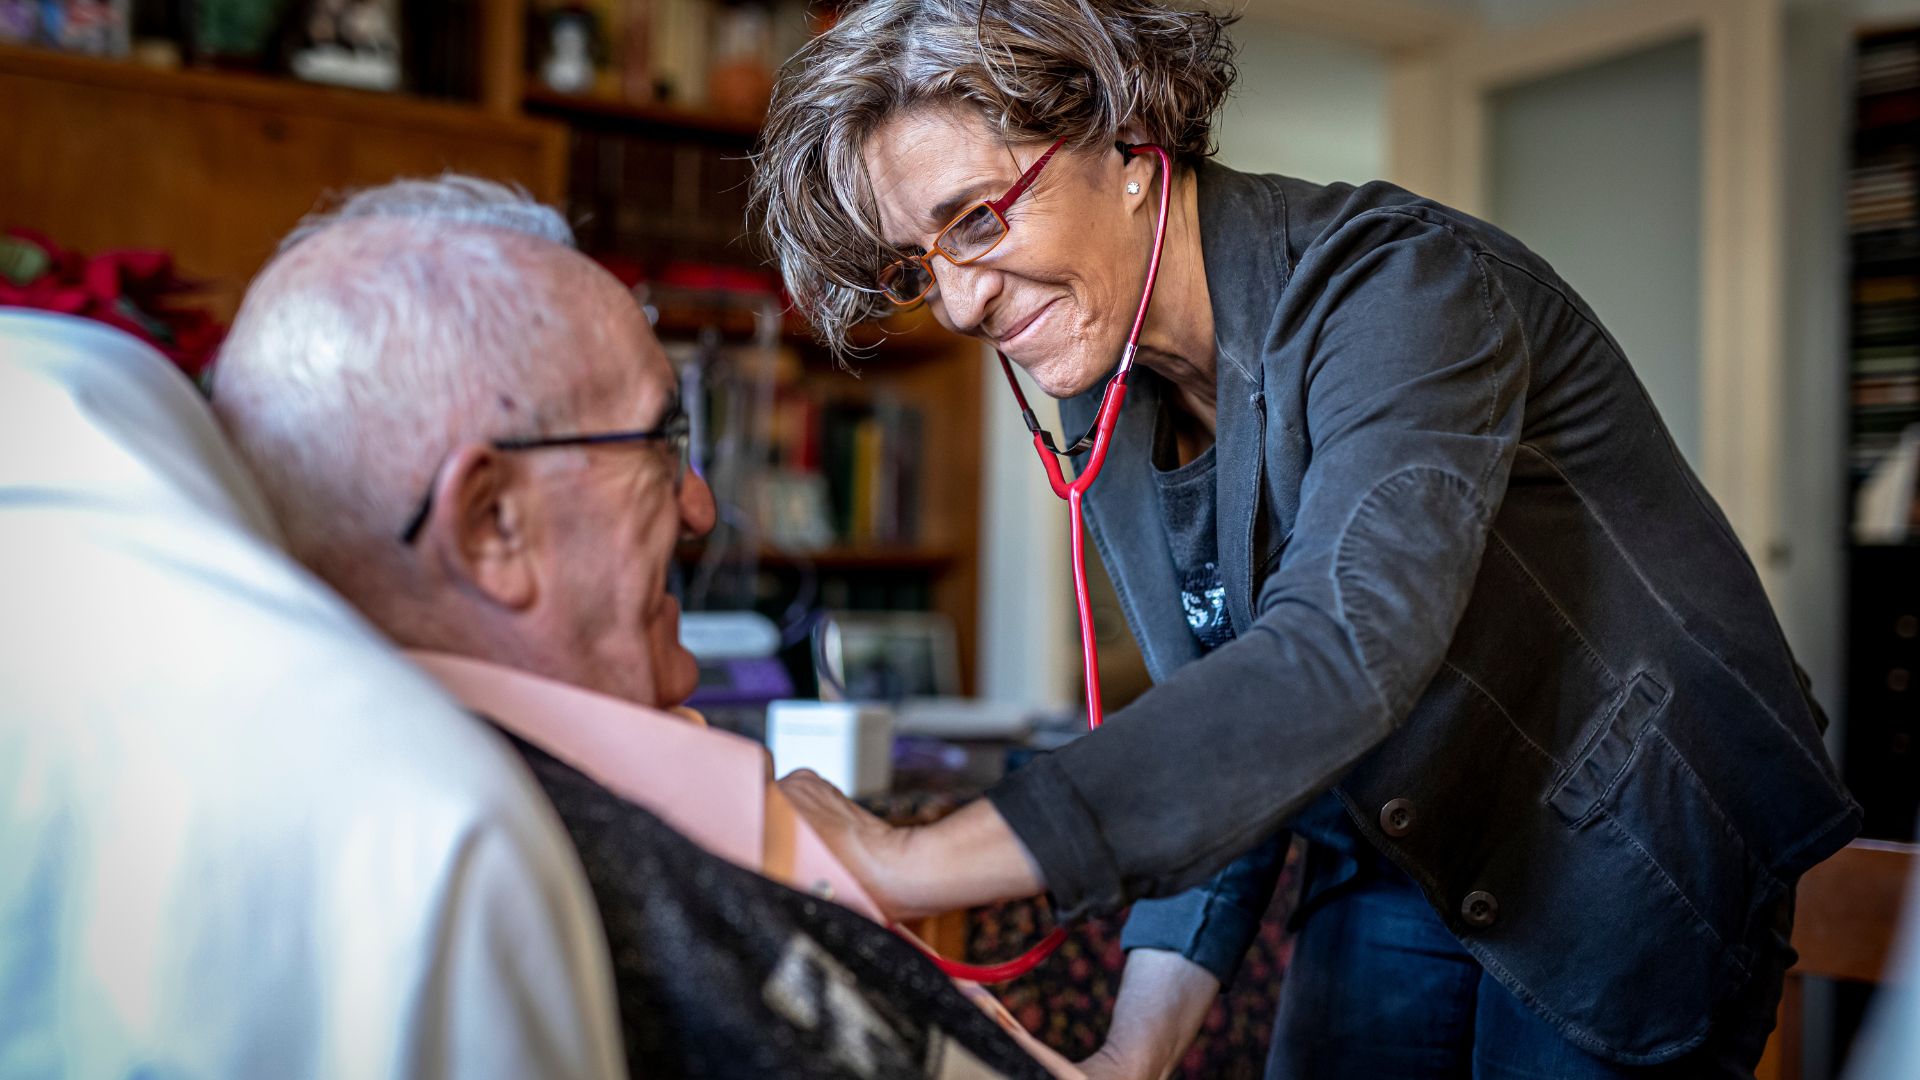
x=1439, y=122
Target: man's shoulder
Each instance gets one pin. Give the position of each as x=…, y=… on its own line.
x=723, y=972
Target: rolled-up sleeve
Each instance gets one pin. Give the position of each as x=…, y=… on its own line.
x=1212, y=924
x=1413, y=371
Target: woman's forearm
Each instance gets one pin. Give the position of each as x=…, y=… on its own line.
x=967, y=858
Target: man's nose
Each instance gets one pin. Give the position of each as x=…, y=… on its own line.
x=697, y=511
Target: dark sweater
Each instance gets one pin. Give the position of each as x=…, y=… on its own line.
x=722, y=973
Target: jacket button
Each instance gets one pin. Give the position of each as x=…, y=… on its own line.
x=1480, y=909
x=1396, y=818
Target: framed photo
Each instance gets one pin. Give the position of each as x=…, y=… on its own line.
x=348, y=43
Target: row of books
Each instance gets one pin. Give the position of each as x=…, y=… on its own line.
x=1884, y=366
x=1888, y=66
x=1883, y=194
x=1883, y=218
x=842, y=472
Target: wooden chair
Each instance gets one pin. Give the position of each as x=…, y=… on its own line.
x=1844, y=925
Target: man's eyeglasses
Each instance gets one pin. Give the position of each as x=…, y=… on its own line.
x=968, y=238
x=674, y=432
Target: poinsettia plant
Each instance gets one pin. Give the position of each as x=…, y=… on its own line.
x=134, y=290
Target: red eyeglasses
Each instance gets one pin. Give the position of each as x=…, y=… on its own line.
x=968, y=238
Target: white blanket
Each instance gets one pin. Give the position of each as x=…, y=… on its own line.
x=239, y=837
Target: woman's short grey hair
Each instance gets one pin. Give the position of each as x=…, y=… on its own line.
x=1036, y=70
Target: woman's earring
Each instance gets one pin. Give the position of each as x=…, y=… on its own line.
x=1133, y=187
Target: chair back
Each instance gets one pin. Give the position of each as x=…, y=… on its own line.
x=1845, y=924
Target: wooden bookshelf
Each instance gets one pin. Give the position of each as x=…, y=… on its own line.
x=588, y=109
x=215, y=167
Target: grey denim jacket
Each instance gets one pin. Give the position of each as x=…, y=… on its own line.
x=1478, y=593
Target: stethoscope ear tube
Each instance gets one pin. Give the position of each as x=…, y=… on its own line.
x=1095, y=442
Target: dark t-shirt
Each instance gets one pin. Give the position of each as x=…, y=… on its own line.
x=1188, y=500
x=722, y=973
x=1186, y=509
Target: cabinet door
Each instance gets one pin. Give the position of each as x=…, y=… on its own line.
x=216, y=168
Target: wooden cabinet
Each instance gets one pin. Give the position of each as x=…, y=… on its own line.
x=217, y=167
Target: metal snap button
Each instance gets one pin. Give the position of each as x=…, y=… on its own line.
x=1480, y=909
x=1396, y=817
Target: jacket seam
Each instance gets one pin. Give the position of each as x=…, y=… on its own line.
x=1502, y=709
x=1613, y=822
x=1573, y=1032
x=1475, y=254
x=1679, y=621
x=1819, y=832
x=1720, y=814
x=1620, y=356
x=1558, y=611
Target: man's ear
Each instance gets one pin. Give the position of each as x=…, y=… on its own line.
x=479, y=526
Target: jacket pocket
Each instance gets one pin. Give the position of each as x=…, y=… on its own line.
x=1588, y=781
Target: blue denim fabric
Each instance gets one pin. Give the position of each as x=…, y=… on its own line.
x=1379, y=989
x=1469, y=576
x=1212, y=924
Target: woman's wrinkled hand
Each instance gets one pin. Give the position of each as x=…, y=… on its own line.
x=968, y=857
x=871, y=850
x=1107, y=1064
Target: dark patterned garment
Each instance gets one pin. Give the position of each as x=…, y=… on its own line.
x=1067, y=1002
x=722, y=973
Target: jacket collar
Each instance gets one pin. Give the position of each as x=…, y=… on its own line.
x=1240, y=227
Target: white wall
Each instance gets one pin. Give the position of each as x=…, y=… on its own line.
x=1308, y=107
x=1819, y=102
x=1599, y=172
x=1027, y=632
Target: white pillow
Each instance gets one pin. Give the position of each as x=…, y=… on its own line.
x=239, y=836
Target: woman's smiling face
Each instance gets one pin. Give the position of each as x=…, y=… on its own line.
x=1059, y=292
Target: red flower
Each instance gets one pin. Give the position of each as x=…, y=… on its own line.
x=132, y=290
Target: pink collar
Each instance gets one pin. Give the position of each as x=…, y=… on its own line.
x=714, y=787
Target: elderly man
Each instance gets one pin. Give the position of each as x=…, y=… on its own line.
x=469, y=430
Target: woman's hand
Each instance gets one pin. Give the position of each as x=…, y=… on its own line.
x=969, y=857
x=868, y=847
x=1109, y=1064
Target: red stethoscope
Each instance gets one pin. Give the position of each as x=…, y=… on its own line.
x=1096, y=442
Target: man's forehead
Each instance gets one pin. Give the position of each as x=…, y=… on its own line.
x=656, y=382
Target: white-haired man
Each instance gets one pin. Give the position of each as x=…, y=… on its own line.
x=469, y=430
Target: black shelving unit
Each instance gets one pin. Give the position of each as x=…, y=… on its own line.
x=1883, y=618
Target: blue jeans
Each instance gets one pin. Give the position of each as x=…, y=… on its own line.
x=1379, y=988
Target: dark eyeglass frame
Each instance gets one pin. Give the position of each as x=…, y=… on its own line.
x=676, y=431
x=997, y=207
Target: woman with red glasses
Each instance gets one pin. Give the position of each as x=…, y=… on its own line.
x=1418, y=573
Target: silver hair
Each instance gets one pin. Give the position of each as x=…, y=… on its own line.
x=448, y=199
x=408, y=318
x=1035, y=70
